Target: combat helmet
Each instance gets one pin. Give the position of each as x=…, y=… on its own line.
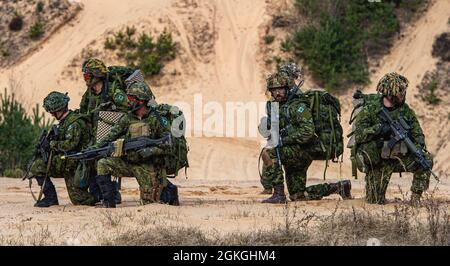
x=392, y=84
x=293, y=71
x=279, y=80
x=56, y=101
x=141, y=91
x=95, y=67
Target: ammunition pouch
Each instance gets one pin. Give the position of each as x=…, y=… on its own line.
x=400, y=149
x=118, y=148
x=140, y=129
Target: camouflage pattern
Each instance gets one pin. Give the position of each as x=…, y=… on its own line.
x=55, y=101
x=370, y=143
x=293, y=71
x=72, y=136
x=148, y=171
x=95, y=67
x=151, y=180
x=141, y=91
x=279, y=80
x=392, y=84
x=92, y=104
x=300, y=145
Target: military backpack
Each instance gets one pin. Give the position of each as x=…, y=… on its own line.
x=359, y=101
x=172, y=118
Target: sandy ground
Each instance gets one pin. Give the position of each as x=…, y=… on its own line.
x=221, y=192
x=219, y=206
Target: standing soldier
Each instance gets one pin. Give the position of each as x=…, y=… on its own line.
x=295, y=148
x=373, y=134
x=102, y=94
x=71, y=135
x=144, y=164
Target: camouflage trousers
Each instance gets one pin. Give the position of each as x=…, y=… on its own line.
x=296, y=161
x=377, y=179
x=151, y=179
x=63, y=169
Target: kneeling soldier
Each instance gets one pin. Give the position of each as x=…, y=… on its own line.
x=374, y=135
x=296, y=148
x=145, y=163
x=71, y=135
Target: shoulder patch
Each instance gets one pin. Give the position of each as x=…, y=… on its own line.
x=164, y=121
x=301, y=109
x=120, y=97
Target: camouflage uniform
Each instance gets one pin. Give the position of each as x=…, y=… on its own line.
x=143, y=164
x=299, y=145
x=370, y=135
x=72, y=136
x=294, y=72
x=112, y=98
x=95, y=71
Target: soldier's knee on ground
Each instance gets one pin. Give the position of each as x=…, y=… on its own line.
x=150, y=194
x=103, y=167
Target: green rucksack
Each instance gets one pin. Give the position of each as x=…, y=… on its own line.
x=326, y=112
x=120, y=74
x=177, y=158
x=359, y=101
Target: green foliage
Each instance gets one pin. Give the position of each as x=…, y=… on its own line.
x=36, y=30
x=18, y=132
x=142, y=51
x=268, y=39
x=287, y=45
x=340, y=36
x=109, y=44
x=14, y=173
x=430, y=85
x=40, y=7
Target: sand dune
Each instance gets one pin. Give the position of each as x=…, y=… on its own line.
x=225, y=68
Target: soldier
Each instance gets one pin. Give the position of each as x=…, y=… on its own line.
x=297, y=145
x=144, y=164
x=295, y=73
x=101, y=95
x=372, y=134
x=72, y=135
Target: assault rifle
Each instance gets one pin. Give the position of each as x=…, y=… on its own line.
x=42, y=148
x=110, y=148
x=400, y=133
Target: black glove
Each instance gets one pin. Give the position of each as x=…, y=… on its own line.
x=385, y=130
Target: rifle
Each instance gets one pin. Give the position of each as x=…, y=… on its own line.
x=400, y=131
x=42, y=148
x=108, y=149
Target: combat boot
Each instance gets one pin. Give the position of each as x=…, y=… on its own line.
x=49, y=191
x=415, y=199
x=107, y=188
x=117, y=195
x=343, y=188
x=169, y=195
x=278, y=196
x=266, y=191
x=94, y=190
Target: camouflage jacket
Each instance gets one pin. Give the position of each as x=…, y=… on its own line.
x=73, y=134
x=91, y=104
x=130, y=126
x=296, y=123
x=368, y=123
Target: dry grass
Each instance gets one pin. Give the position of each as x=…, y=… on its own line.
x=405, y=225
